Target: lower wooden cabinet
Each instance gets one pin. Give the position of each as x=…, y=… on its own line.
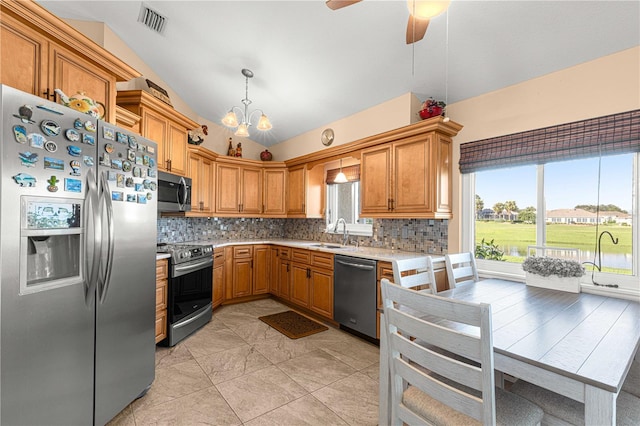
x=312, y=281
x=218, y=277
x=162, y=275
x=284, y=273
x=247, y=270
x=261, y=263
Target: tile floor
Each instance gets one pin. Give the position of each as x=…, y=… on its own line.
x=238, y=370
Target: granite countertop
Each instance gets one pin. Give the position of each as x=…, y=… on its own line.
x=362, y=252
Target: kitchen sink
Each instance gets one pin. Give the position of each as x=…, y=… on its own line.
x=329, y=246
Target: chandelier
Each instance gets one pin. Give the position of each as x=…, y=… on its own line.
x=231, y=119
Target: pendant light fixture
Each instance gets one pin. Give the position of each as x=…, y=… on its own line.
x=340, y=177
x=231, y=119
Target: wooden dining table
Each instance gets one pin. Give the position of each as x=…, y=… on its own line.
x=579, y=345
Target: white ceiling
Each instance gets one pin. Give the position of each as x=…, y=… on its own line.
x=313, y=65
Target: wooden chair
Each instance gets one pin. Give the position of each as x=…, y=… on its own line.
x=429, y=387
x=461, y=269
x=560, y=410
x=420, y=271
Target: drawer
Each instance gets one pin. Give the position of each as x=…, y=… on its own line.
x=385, y=270
x=285, y=253
x=218, y=256
x=161, y=325
x=300, y=255
x=161, y=295
x=322, y=260
x=242, y=251
x=162, y=269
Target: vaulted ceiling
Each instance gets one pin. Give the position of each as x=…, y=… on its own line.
x=313, y=65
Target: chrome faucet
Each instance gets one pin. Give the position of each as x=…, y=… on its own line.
x=345, y=233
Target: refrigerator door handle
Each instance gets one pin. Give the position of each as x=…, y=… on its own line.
x=106, y=199
x=93, y=237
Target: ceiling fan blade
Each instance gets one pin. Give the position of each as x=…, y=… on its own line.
x=416, y=29
x=337, y=4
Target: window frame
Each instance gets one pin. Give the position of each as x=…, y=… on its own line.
x=629, y=285
x=356, y=229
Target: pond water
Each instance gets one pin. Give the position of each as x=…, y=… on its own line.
x=609, y=260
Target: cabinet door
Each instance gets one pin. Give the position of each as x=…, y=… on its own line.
x=296, y=191
x=194, y=168
x=273, y=196
x=154, y=127
x=284, y=279
x=321, y=300
x=23, y=57
x=201, y=172
x=242, y=277
x=300, y=284
x=412, y=182
x=375, y=180
x=218, y=285
x=274, y=270
x=251, y=201
x=72, y=74
x=228, y=190
x=261, y=269
x=442, y=154
x=176, y=149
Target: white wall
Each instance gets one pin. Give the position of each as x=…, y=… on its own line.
x=397, y=112
x=604, y=86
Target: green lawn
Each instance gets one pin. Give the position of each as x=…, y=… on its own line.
x=515, y=237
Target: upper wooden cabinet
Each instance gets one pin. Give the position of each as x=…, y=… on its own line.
x=274, y=190
x=201, y=170
x=40, y=53
x=305, y=193
x=249, y=188
x=408, y=177
x=163, y=125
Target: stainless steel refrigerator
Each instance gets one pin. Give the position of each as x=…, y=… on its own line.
x=77, y=258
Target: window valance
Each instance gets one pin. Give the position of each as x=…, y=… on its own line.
x=351, y=172
x=608, y=135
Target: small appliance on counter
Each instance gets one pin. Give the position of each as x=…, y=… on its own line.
x=190, y=289
x=77, y=264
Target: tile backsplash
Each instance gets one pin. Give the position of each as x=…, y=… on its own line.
x=415, y=235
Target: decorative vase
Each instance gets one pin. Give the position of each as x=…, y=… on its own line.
x=554, y=282
x=430, y=112
x=266, y=155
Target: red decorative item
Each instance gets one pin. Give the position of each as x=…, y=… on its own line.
x=266, y=155
x=431, y=108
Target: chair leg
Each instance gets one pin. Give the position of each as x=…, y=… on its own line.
x=384, y=415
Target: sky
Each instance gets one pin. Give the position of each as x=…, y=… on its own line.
x=567, y=184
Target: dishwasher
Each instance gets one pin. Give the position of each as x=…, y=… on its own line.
x=354, y=294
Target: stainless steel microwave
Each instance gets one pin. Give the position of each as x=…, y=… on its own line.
x=174, y=193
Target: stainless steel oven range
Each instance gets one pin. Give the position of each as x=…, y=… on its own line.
x=190, y=289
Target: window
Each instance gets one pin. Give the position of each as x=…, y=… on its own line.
x=555, y=204
x=343, y=202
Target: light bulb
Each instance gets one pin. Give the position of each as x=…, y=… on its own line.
x=242, y=131
x=230, y=120
x=264, y=123
x=427, y=9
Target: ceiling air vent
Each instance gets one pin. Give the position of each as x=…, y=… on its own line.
x=152, y=19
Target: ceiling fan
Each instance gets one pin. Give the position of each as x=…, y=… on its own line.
x=420, y=12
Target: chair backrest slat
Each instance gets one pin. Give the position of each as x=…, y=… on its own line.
x=461, y=269
x=420, y=271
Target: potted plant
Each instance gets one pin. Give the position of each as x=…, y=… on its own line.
x=431, y=108
x=553, y=273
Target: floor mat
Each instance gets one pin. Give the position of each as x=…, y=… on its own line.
x=292, y=324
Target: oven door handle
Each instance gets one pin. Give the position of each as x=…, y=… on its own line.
x=179, y=270
x=190, y=320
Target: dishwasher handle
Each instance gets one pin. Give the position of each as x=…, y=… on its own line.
x=356, y=265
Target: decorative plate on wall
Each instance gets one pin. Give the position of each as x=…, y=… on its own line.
x=327, y=137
